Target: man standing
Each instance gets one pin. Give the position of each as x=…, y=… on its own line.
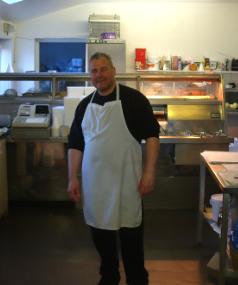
x=105, y=144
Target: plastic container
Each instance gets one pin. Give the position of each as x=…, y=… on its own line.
x=234, y=236
x=108, y=35
x=57, y=120
x=153, y=63
x=234, y=146
x=216, y=201
x=234, y=246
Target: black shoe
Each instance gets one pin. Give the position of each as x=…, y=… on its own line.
x=108, y=281
x=137, y=283
x=145, y=282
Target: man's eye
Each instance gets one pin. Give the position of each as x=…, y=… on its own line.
x=103, y=69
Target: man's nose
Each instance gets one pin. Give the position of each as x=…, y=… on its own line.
x=99, y=72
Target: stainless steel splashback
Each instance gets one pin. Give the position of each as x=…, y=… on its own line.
x=195, y=112
x=195, y=119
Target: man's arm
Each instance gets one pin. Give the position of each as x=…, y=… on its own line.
x=147, y=182
x=75, y=157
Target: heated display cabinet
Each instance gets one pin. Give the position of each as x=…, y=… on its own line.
x=190, y=110
x=187, y=106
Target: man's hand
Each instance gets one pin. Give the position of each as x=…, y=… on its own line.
x=74, y=164
x=74, y=189
x=147, y=184
x=147, y=181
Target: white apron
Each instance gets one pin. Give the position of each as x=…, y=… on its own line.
x=111, y=168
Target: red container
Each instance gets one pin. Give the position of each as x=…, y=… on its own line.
x=140, y=58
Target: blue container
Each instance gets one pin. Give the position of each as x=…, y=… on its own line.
x=234, y=236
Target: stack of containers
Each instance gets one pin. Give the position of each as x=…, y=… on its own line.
x=57, y=120
x=74, y=95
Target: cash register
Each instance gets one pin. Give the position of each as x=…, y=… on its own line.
x=32, y=121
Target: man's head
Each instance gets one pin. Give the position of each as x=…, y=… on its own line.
x=102, y=73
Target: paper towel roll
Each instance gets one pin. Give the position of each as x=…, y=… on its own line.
x=57, y=120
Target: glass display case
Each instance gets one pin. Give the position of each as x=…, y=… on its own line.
x=187, y=105
x=51, y=85
x=181, y=90
x=190, y=109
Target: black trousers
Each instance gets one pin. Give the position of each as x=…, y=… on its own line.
x=132, y=253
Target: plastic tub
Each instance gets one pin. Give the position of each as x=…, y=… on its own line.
x=216, y=201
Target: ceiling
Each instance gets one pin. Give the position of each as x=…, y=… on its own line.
x=28, y=9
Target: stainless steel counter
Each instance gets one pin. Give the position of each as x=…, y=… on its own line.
x=163, y=139
x=196, y=139
x=185, y=150
x=37, y=170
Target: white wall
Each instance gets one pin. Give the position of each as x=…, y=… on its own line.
x=189, y=29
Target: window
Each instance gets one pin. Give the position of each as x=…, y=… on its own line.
x=67, y=55
x=62, y=56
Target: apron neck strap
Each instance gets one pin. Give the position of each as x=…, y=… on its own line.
x=93, y=95
x=117, y=93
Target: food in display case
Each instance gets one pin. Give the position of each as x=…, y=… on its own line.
x=179, y=90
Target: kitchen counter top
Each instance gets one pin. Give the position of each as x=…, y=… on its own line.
x=163, y=139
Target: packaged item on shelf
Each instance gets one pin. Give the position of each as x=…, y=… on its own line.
x=108, y=35
x=234, y=64
x=140, y=59
x=174, y=62
x=213, y=64
x=193, y=67
x=201, y=67
x=153, y=63
x=207, y=63
x=227, y=64
x=162, y=62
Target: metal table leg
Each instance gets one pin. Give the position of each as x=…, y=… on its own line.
x=223, y=239
x=201, y=201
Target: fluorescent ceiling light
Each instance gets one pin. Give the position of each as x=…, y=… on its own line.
x=11, y=1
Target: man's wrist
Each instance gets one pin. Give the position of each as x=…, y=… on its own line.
x=73, y=177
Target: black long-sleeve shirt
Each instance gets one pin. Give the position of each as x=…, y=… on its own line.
x=137, y=111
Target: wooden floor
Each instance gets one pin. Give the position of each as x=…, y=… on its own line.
x=52, y=246
x=175, y=272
